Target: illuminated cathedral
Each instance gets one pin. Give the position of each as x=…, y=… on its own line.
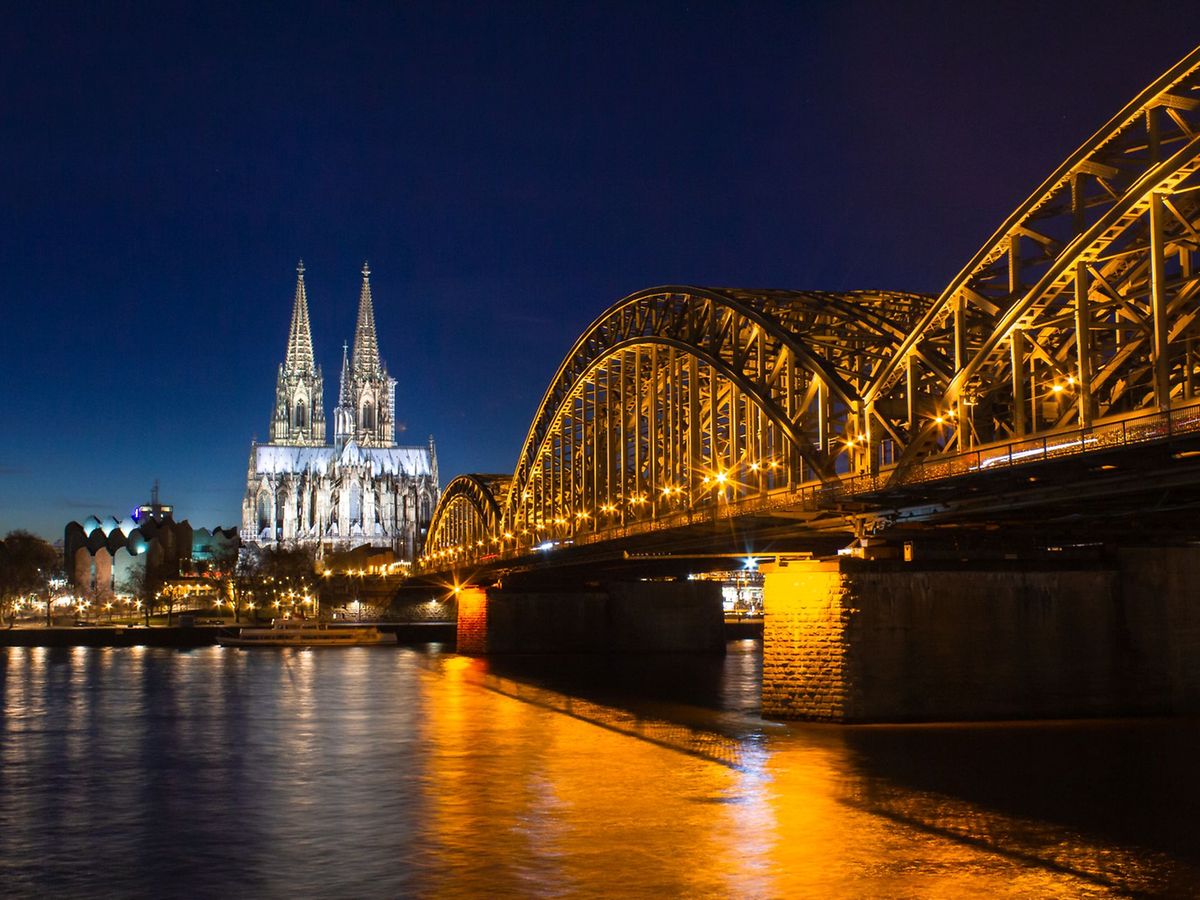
x=363, y=489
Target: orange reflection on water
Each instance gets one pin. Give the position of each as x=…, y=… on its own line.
x=531, y=791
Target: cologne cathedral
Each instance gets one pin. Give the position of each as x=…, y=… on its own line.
x=363, y=489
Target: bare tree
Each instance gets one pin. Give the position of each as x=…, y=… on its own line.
x=287, y=578
x=140, y=585
x=233, y=572
x=27, y=564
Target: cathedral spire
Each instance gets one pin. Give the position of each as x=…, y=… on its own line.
x=299, y=416
x=299, y=348
x=366, y=347
x=344, y=397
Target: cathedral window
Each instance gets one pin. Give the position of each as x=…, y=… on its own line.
x=264, y=511
x=300, y=421
x=367, y=418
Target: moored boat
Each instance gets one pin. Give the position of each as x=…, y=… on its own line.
x=302, y=633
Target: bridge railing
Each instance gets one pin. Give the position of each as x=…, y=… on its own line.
x=1144, y=428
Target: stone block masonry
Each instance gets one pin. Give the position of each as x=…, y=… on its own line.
x=853, y=641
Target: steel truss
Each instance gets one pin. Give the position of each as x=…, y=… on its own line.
x=468, y=516
x=1082, y=305
x=1080, y=310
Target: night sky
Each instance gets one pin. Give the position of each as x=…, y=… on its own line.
x=509, y=170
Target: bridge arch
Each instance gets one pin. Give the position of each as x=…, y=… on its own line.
x=684, y=396
x=468, y=517
x=1081, y=306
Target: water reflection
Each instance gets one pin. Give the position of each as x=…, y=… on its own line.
x=381, y=772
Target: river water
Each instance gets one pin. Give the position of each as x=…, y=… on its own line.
x=385, y=772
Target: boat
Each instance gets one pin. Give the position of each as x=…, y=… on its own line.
x=302, y=633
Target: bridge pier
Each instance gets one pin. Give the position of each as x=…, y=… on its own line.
x=625, y=617
x=857, y=641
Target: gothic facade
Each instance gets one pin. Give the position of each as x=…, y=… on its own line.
x=361, y=489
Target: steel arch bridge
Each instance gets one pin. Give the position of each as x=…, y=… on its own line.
x=1074, y=327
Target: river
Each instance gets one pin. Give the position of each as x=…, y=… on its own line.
x=385, y=772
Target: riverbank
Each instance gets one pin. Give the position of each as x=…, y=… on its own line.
x=190, y=636
x=205, y=635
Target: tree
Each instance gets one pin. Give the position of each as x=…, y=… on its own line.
x=286, y=578
x=141, y=586
x=232, y=571
x=27, y=564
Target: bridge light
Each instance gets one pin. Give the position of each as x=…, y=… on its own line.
x=722, y=477
x=939, y=420
x=1057, y=388
x=754, y=467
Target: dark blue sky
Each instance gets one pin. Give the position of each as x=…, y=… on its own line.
x=508, y=169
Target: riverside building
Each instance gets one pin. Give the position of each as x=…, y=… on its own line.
x=363, y=489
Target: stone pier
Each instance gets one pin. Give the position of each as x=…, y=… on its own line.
x=849, y=640
x=633, y=617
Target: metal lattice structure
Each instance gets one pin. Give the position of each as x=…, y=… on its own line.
x=1080, y=311
x=469, y=517
x=1080, y=307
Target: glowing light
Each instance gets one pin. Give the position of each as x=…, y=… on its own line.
x=1057, y=388
x=722, y=477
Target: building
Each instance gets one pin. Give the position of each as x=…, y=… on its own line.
x=360, y=490
x=144, y=550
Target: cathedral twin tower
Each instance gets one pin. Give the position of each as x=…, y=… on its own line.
x=362, y=488
x=366, y=409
